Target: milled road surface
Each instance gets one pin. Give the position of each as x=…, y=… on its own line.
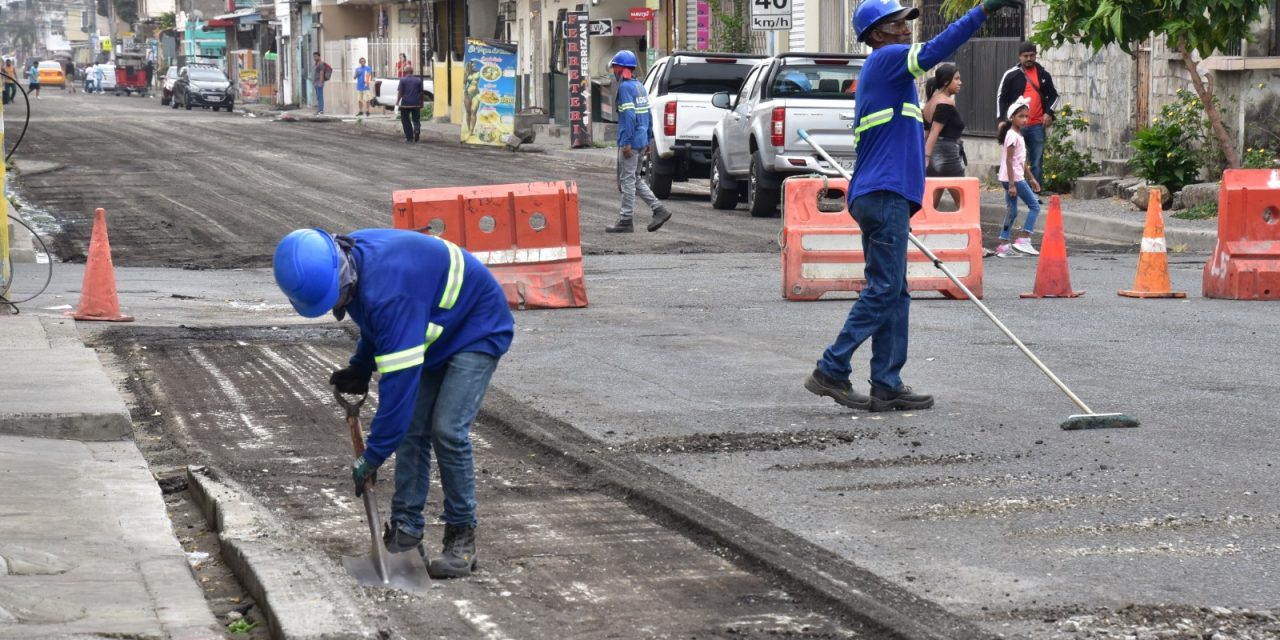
x=217, y=190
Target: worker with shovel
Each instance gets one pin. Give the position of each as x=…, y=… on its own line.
x=885, y=191
x=434, y=323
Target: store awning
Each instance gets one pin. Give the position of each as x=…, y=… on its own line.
x=243, y=15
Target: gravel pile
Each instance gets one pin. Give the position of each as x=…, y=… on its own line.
x=1167, y=623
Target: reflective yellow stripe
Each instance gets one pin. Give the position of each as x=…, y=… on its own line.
x=626, y=106
x=453, y=287
x=873, y=120
x=433, y=333
x=912, y=111
x=913, y=61
x=410, y=357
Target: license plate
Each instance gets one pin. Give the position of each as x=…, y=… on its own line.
x=847, y=165
x=214, y=98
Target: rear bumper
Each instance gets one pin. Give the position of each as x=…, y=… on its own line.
x=798, y=163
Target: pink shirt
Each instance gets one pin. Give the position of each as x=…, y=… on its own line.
x=1014, y=139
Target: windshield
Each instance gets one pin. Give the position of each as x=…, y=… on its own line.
x=208, y=76
x=709, y=77
x=821, y=81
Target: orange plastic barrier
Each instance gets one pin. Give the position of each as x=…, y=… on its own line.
x=822, y=245
x=1246, y=261
x=527, y=234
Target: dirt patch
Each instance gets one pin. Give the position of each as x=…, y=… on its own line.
x=1158, y=622
x=738, y=442
x=882, y=463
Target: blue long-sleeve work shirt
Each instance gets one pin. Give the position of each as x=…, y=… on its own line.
x=420, y=299
x=888, y=126
x=633, y=115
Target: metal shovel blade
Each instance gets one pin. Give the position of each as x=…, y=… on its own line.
x=380, y=568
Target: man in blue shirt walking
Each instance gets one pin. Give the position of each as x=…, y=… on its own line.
x=633, y=140
x=885, y=191
x=434, y=323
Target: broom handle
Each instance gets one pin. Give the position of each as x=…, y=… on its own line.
x=804, y=135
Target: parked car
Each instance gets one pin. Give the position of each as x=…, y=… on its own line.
x=755, y=146
x=166, y=88
x=680, y=87
x=203, y=86
x=51, y=74
x=384, y=91
x=108, y=77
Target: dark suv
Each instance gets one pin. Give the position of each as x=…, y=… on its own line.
x=200, y=86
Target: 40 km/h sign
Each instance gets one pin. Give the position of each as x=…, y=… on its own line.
x=771, y=15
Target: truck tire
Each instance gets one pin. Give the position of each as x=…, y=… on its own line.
x=762, y=201
x=651, y=168
x=721, y=198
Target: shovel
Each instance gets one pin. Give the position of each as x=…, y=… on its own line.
x=379, y=568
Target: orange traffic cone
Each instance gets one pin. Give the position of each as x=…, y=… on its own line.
x=1153, y=263
x=1052, y=278
x=98, y=299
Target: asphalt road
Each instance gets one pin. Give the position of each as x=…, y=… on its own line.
x=695, y=363
x=217, y=190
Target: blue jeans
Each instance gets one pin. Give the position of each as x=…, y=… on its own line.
x=1034, y=135
x=320, y=97
x=882, y=310
x=449, y=397
x=1033, y=208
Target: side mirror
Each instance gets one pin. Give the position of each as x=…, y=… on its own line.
x=721, y=100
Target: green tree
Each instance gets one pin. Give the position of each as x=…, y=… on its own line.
x=167, y=21
x=1187, y=25
x=730, y=26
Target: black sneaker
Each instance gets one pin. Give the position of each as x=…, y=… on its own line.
x=458, y=559
x=623, y=225
x=397, y=540
x=660, y=217
x=417, y=135
x=839, y=390
x=898, y=399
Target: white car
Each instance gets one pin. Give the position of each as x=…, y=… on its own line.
x=108, y=78
x=166, y=92
x=384, y=91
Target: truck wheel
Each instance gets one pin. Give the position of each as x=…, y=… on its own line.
x=659, y=183
x=762, y=201
x=721, y=198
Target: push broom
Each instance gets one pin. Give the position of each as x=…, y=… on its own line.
x=1086, y=420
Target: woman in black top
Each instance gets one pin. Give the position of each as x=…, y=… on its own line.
x=942, y=147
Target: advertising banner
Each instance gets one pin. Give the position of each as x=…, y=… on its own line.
x=577, y=37
x=488, y=92
x=248, y=85
x=704, y=25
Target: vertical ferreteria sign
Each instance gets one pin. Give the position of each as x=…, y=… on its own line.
x=576, y=37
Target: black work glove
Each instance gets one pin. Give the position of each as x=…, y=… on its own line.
x=361, y=472
x=994, y=6
x=351, y=381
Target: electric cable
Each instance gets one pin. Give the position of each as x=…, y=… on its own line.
x=26, y=122
x=47, y=278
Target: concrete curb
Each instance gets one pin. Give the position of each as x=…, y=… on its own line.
x=302, y=597
x=879, y=608
x=1105, y=229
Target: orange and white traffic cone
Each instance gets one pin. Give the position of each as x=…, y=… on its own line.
x=98, y=298
x=1053, y=280
x=1152, y=280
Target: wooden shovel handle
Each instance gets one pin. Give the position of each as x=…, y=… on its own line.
x=353, y=420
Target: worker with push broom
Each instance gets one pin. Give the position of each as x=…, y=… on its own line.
x=434, y=323
x=885, y=191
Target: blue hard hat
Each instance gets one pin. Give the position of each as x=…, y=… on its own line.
x=307, y=271
x=872, y=12
x=798, y=78
x=624, y=58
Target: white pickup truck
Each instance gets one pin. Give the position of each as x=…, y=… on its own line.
x=680, y=87
x=384, y=91
x=755, y=146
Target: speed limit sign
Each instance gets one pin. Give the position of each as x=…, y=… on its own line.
x=771, y=15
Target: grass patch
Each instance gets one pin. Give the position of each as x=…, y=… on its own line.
x=243, y=625
x=1202, y=211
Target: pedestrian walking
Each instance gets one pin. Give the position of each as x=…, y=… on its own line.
x=364, y=82
x=1017, y=180
x=69, y=76
x=403, y=66
x=33, y=79
x=320, y=75
x=943, y=149
x=409, y=104
x=99, y=75
x=10, y=81
x=633, y=140
x=151, y=73
x=434, y=323
x=885, y=191
x=1029, y=79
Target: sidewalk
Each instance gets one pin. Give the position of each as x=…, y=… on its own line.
x=86, y=546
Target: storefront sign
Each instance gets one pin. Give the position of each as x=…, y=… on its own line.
x=576, y=47
x=488, y=92
x=640, y=14
x=704, y=25
x=248, y=85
